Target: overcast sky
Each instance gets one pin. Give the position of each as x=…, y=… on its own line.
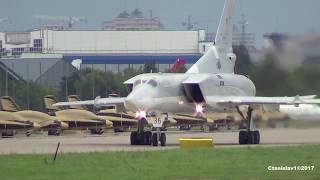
x=290, y=16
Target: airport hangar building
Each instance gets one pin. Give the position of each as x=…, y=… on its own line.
x=44, y=55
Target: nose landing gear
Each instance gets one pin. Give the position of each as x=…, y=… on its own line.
x=142, y=137
x=159, y=136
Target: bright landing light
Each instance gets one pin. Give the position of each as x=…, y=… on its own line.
x=199, y=108
x=141, y=114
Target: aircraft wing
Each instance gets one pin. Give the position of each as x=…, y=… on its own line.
x=97, y=102
x=182, y=117
x=7, y=124
x=256, y=100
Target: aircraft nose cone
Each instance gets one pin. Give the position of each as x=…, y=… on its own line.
x=140, y=98
x=131, y=104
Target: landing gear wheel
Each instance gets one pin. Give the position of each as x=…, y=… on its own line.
x=133, y=138
x=155, y=139
x=53, y=132
x=243, y=137
x=98, y=131
x=148, y=135
x=256, y=135
x=163, y=139
x=28, y=133
x=249, y=137
x=8, y=133
x=141, y=138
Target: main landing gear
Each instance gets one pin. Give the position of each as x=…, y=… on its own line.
x=142, y=137
x=248, y=136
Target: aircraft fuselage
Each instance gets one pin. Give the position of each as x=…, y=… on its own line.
x=176, y=93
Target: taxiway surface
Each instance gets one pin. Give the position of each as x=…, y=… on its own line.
x=120, y=141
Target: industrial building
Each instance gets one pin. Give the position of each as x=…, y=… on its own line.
x=100, y=49
x=115, y=49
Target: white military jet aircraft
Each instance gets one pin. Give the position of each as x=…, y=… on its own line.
x=209, y=85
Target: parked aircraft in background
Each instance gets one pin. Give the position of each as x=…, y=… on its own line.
x=210, y=85
x=120, y=120
x=38, y=120
x=76, y=118
x=10, y=122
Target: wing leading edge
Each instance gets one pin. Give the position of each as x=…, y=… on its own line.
x=256, y=100
x=96, y=102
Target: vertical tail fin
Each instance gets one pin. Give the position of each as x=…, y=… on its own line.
x=177, y=65
x=224, y=33
x=73, y=98
x=8, y=104
x=49, y=100
x=219, y=58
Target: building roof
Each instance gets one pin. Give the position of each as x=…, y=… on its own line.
x=131, y=58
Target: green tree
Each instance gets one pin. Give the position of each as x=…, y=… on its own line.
x=270, y=80
x=28, y=95
x=305, y=79
x=243, y=63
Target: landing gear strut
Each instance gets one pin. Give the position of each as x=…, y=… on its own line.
x=248, y=136
x=141, y=137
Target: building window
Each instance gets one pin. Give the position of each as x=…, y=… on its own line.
x=37, y=46
x=1, y=50
x=17, y=51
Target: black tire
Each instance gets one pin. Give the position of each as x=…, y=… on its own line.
x=7, y=133
x=243, y=137
x=163, y=139
x=251, y=137
x=154, y=139
x=93, y=131
x=28, y=133
x=142, y=138
x=100, y=131
x=256, y=137
x=148, y=135
x=133, y=138
x=51, y=132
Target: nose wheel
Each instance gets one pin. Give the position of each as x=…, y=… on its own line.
x=156, y=138
x=142, y=137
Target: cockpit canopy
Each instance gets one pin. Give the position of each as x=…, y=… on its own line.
x=151, y=82
x=138, y=80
